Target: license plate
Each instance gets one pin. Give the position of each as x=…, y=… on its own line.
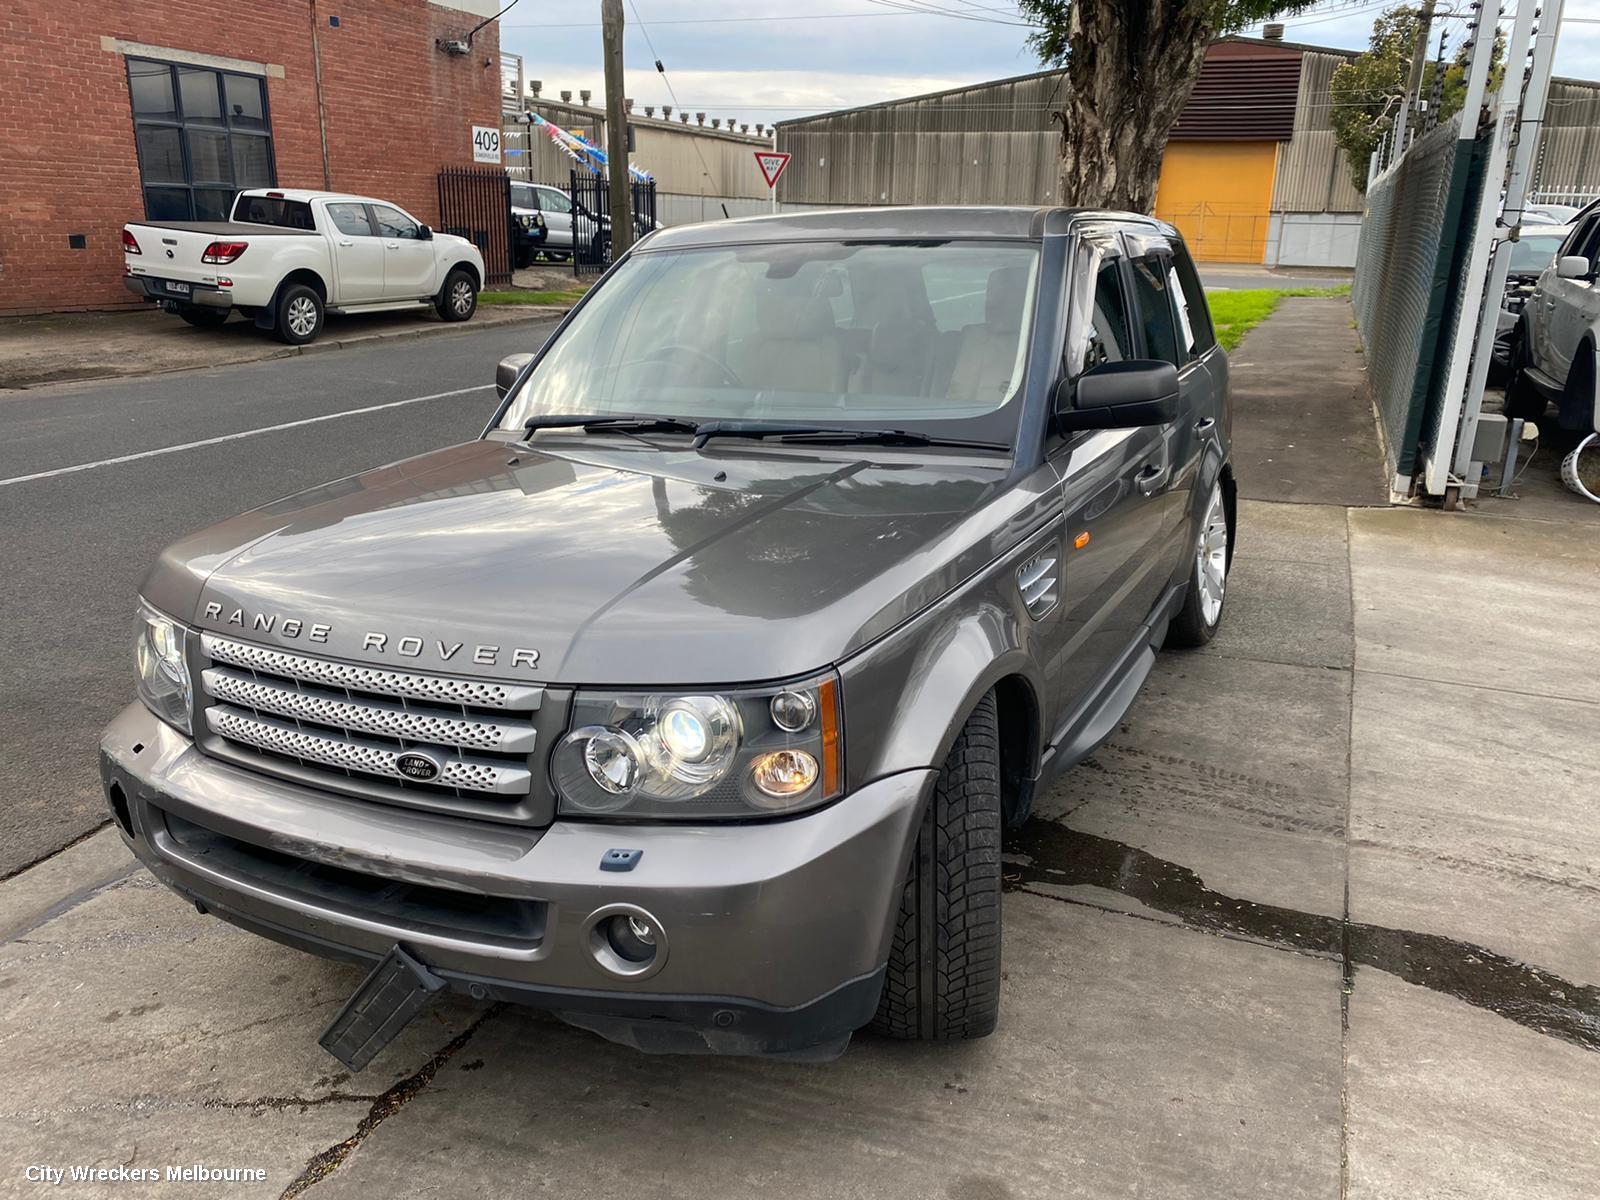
x=177, y=289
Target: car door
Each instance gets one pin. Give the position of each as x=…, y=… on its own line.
x=1564, y=302
x=557, y=208
x=357, y=255
x=408, y=260
x=1115, y=522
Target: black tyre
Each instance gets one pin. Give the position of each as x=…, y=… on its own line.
x=1201, y=614
x=299, y=315
x=943, y=980
x=458, y=299
x=202, y=318
x=1523, y=400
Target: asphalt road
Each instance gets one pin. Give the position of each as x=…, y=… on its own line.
x=75, y=545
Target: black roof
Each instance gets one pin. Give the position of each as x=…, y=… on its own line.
x=890, y=222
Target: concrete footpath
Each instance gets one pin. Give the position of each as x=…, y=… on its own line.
x=1319, y=921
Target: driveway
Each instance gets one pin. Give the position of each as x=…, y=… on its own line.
x=1319, y=920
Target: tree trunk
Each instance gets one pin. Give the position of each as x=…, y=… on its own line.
x=1130, y=71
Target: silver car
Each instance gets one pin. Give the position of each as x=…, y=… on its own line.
x=691, y=700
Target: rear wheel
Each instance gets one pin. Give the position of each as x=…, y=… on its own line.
x=299, y=314
x=943, y=979
x=458, y=299
x=1523, y=401
x=202, y=318
x=1197, y=621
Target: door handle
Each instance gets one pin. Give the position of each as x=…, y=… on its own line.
x=1151, y=478
x=346, y=242
x=1205, y=425
x=392, y=245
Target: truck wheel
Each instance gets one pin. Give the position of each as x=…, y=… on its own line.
x=458, y=299
x=1523, y=400
x=202, y=318
x=299, y=314
x=943, y=979
x=1197, y=621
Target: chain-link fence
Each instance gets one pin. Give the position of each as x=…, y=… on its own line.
x=1408, y=283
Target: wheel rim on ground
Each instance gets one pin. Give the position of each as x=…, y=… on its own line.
x=1211, y=558
x=302, y=316
x=461, y=296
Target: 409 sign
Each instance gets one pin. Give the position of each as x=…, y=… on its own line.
x=485, y=144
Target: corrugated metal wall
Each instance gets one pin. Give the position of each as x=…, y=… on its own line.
x=687, y=159
x=991, y=143
x=1312, y=175
x=1569, y=156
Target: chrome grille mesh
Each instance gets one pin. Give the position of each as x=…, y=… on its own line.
x=352, y=724
x=356, y=755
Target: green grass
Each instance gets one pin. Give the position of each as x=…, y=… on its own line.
x=1237, y=313
x=571, y=296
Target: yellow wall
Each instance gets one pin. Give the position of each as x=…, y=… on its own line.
x=1219, y=195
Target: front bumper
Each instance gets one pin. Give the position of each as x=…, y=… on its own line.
x=775, y=933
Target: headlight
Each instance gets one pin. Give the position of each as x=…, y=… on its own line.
x=702, y=755
x=163, y=667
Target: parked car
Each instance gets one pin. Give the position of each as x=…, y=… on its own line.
x=530, y=232
x=1531, y=253
x=558, y=208
x=690, y=701
x=286, y=257
x=1553, y=355
x=1549, y=214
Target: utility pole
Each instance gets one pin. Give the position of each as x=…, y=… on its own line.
x=1419, y=60
x=616, y=130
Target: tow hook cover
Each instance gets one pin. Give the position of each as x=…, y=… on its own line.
x=398, y=988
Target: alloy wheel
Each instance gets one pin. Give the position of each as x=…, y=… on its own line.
x=1211, y=558
x=461, y=296
x=302, y=316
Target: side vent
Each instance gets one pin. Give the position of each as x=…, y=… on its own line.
x=1038, y=580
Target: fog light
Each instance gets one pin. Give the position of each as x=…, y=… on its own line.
x=625, y=941
x=633, y=938
x=783, y=773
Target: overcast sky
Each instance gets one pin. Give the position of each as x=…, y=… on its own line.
x=730, y=59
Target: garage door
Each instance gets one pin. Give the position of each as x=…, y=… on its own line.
x=1219, y=195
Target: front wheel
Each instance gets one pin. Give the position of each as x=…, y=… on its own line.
x=1197, y=621
x=299, y=315
x=943, y=978
x=458, y=299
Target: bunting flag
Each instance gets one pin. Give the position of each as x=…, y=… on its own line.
x=581, y=150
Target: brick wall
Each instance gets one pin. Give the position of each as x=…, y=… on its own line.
x=397, y=110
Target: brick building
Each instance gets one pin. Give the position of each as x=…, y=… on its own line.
x=162, y=110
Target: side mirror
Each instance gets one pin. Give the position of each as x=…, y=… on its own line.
x=424, y=233
x=1572, y=266
x=505, y=375
x=1119, y=395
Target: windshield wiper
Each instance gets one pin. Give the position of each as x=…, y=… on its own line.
x=833, y=434
x=621, y=422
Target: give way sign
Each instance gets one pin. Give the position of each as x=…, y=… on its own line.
x=772, y=163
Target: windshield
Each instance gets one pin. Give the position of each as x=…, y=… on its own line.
x=522, y=196
x=1534, y=251
x=914, y=336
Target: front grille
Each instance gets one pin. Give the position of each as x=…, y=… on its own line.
x=350, y=727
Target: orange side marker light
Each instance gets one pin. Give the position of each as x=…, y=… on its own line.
x=1082, y=540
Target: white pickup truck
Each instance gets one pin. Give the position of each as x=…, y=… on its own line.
x=287, y=257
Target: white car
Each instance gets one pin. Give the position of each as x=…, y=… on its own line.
x=1554, y=355
x=287, y=257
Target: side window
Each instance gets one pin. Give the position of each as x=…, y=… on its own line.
x=1194, y=314
x=1152, y=295
x=1109, y=339
x=553, y=201
x=350, y=219
x=1579, y=236
x=393, y=223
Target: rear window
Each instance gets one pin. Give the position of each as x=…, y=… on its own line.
x=272, y=210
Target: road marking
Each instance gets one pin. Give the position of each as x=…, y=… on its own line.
x=234, y=437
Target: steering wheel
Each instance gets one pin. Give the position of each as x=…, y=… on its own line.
x=723, y=370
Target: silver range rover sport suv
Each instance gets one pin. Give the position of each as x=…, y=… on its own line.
x=690, y=701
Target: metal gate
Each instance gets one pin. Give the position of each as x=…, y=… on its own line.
x=591, y=219
x=475, y=203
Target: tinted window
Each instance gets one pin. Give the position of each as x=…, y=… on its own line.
x=1108, y=329
x=553, y=201
x=523, y=196
x=350, y=218
x=269, y=210
x=1579, y=236
x=1193, y=310
x=1152, y=295
x=393, y=223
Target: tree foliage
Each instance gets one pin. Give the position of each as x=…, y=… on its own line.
x=1052, y=41
x=1366, y=93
